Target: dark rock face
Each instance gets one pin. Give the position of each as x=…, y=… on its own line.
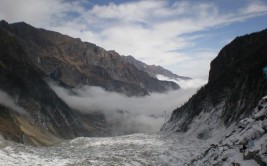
x=236, y=83
x=74, y=62
x=152, y=70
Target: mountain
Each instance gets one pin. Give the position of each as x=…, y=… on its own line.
x=74, y=62
x=236, y=83
x=30, y=56
x=223, y=111
x=48, y=118
x=153, y=70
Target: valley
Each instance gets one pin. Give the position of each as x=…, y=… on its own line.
x=93, y=83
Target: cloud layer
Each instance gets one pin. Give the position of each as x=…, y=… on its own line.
x=186, y=84
x=126, y=114
x=156, y=32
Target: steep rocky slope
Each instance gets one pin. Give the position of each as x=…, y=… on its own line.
x=236, y=84
x=9, y=128
x=153, y=70
x=74, y=62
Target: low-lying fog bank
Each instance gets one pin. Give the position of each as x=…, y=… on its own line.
x=127, y=114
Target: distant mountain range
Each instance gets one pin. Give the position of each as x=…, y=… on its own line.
x=153, y=70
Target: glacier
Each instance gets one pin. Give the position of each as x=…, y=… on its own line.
x=135, y=149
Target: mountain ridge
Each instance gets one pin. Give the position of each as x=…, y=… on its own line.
x=153, y=70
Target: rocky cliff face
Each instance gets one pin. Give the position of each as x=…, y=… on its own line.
x=153, y=70
x=74, y=62
x=236, y=84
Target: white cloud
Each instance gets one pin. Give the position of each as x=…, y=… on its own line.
x=8, y=102
x=197, y=66
x=39, y=13
x=148, y=30
x=142, y=114
x=186, y=84
x=136, y=11
x=88, y=98
x=254, y=8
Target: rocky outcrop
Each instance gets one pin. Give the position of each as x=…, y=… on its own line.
x=74, y=62
x=153, y=70
x=236, y=84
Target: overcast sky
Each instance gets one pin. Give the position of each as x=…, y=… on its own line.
x=183, y=36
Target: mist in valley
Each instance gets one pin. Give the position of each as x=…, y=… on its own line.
x=127, y=114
